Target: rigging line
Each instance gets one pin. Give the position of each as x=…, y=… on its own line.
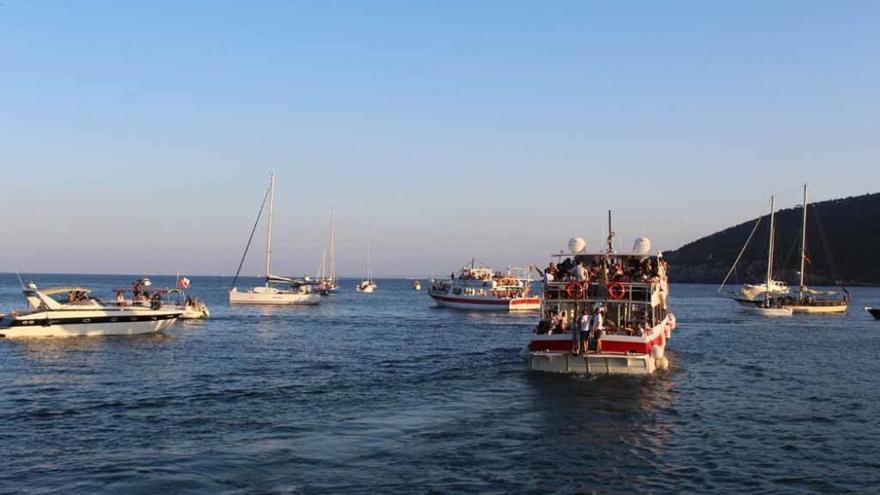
x=822, y=237
x=743, y=250
x=251, y=238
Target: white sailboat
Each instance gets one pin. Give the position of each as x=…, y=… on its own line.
x=327, y=282
x=276, y=290
x=768, y=305
x=367, y=286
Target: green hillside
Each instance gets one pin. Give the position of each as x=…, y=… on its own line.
x=843, y=243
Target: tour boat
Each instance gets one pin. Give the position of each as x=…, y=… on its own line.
x=615, y=321
x=875, y=312
x=481, y=288
x=276, y=290
x=72, y=312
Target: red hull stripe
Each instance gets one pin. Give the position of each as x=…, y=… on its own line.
x=501, y=302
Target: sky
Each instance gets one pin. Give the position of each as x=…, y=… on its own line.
x=138, y=137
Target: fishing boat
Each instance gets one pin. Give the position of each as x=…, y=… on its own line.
x=767, y=303
x=416, y=285
x=367, y=286
x=478, y=287
x=875, y=312
x=809, y=300
x=74, y=312
x=276, y=290
x=607, y=314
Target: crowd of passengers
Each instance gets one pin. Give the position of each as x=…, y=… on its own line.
x=592, y=325
x=627, y=269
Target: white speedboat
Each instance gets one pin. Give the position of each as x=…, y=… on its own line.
x=72, y=312
x=276, y=290
x=752, y=292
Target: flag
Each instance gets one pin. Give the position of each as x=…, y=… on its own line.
x=183, y=283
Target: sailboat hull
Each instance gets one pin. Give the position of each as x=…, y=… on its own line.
x=813, y=309
x=279, y=298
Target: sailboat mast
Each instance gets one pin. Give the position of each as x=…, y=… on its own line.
x=269, y=234
x=333, y=245
x=804, y=241
x=770, y=250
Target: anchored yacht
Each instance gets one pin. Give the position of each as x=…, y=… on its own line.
x=276, y=290
x=72, y=312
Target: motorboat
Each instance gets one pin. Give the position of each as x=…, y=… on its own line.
x=752, y=292
x=276, y=290
x=875, y=312
x=478, y=287
x=615, y=319
x=416, y=285
x=192, y=308
x=73, y=311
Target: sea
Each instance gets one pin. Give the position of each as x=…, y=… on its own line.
x=386, y=393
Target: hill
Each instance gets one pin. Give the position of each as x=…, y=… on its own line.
x=843, y=243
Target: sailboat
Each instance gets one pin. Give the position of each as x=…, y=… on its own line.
x=809, y=300
x=367, y=286
x=276, y=290
x=327, y=282
x=768, y=305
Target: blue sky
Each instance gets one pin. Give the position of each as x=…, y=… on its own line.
x=137, y=137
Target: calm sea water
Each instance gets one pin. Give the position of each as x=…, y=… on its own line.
x=384, y=393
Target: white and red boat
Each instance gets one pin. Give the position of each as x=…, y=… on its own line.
x=611, y=318
x=483, y=289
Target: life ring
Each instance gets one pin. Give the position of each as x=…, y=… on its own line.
x=616, y=290
x=574, y=290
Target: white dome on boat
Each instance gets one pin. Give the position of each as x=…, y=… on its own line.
x=642, y=246
x=577, y=245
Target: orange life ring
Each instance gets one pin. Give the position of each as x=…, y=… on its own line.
x=616, y=290
x=574, y=290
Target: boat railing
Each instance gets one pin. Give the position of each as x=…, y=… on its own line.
x=623, y=291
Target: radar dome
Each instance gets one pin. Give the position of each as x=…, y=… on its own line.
x=577, y=245
x=642, y=245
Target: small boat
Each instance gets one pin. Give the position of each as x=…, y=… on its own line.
x=416, y=285
x=73, y=312
x=367, y=286
x=276, y=290
x=327, y=284
x=616, y=320
x=768, y=304
x=481, y=288
x=768, y=311
x=875, y=312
